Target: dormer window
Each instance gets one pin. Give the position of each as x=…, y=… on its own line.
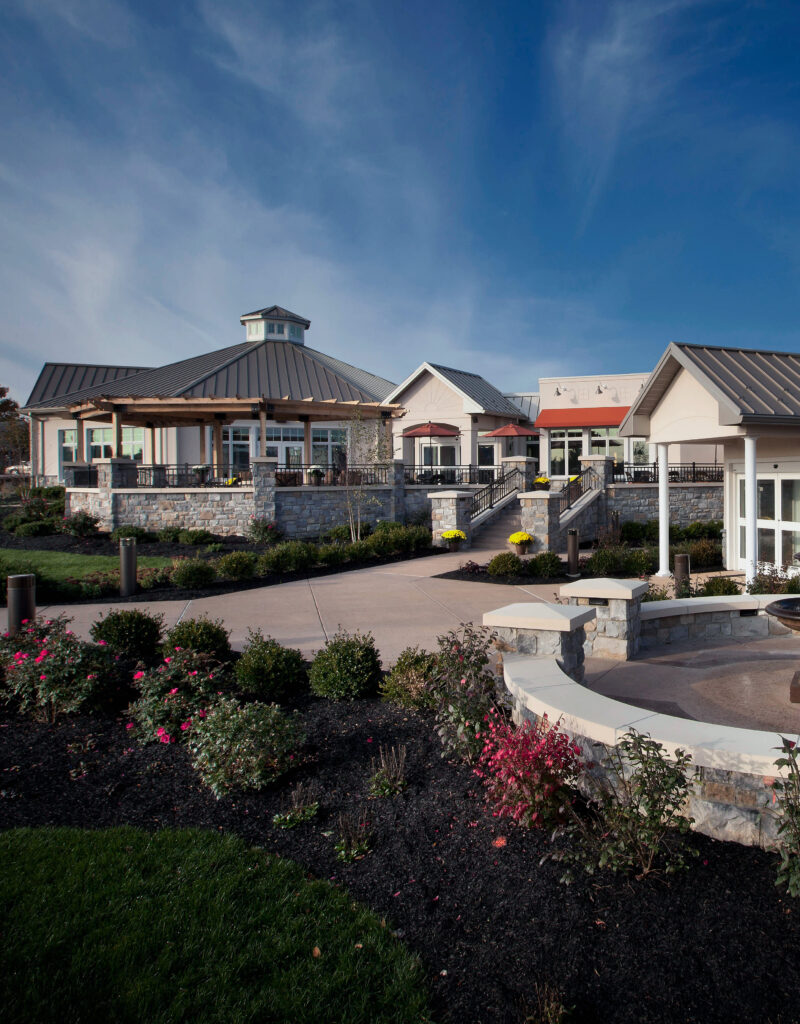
x=255, y=330
x=295, y=332
x=279, y=328
x=275, y=328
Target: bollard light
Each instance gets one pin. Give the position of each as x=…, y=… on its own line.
x=572, y=553
x=682, y=570
x=21, y=595
x=127, y=566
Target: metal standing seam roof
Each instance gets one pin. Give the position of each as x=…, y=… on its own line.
x=749, y=383
x=277, y=313
x=526, y=401
x=270, y=369
x=479, y=390
x=59, y=379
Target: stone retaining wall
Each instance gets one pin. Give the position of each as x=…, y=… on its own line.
x=688, y=503
x=222, y=511
x=706, y=625
x=310, y=511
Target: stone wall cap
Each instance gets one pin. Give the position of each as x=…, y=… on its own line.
x=698, y=605
x=450, y=494
x=518, y=458
x=531, y=615
x=615, y=590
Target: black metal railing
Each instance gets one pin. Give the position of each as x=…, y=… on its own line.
x=586, y=480
x=317, y=475
x=451, y=476
x=186, y=475
x=679, y=473
x=80, y=476
x=488, y=497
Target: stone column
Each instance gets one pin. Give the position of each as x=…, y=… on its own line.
x=397, y=480
x=545, y=631
x=263, y=470
x=526, y=466
x=116, y=474
x=618, y=604
x=603, y=466
x=451, y=510
x=539, y=516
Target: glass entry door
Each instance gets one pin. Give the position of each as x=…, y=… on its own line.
x=777, y=522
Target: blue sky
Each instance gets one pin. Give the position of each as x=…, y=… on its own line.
x=516, y=189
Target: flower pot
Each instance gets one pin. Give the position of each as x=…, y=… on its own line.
x=522, y=549
x=316, y=479
x=453, y=545
x=540, y=487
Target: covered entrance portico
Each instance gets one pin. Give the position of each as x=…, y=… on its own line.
x=749, y=402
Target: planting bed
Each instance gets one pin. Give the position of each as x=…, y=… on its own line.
x=464, y=890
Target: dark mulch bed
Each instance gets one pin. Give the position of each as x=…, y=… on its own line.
x=718, y=943
x=480, y=575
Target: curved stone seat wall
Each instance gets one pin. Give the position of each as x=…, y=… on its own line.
x=707, y=618
x=732, y=793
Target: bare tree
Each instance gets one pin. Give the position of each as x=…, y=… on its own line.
x=14, y=432
x=369, y=451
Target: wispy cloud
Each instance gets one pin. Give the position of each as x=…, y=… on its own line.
x=617, y=73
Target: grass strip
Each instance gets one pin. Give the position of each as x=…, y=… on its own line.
x=176, y=925
x=62, y=565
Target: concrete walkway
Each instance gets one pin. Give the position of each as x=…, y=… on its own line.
x=401, y=604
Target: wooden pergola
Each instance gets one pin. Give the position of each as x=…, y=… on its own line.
x=154, y=412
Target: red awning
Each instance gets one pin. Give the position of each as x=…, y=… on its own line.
x=512, y=430
x=431, y=430
x=603, y=416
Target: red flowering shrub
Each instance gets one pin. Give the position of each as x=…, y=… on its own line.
x=526, y=770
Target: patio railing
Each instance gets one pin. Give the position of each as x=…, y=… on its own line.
x=587, y=480
x=679, y=473
x=186, y=475
x=451, y=476
x=488, y=497
x=317, y=475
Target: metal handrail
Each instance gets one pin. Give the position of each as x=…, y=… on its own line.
x=187, y=475
x=679, y=473
x=450, y=476
x=586, y=480
x=321, y=475
x=488, y=497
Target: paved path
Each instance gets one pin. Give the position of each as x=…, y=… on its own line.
x=402, y=604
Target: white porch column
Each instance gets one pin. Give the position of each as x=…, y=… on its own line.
x=663, y=510
x=750, y=509
x=544, y=452
x=586, y=441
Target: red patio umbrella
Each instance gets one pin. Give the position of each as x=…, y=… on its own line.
x=513, y=430
x=431, y=430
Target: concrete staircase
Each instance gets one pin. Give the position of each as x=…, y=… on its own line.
x=494, y=535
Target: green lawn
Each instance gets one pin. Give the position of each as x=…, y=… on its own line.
x=62, y=565
x=128, y=926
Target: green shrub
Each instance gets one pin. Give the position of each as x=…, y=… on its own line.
x=383, y=525
x=359, y=551
x=154, y=578
x=215, y=547
x=505, y=564
x=465, y=690
x=348, y=666
x=719, y=586
x=632, y=532
x=420, y=537
x=268, y=670
x=54, y=493
x=175, y=695
x=273, y=562
x=37, y=528
x=634, y=819
x=337, y=535
x=192, y=573
x=134, y=634
x=249, y=747
x=207, y=636
x=195, y=537
x=169, y=534
x=607, y=561
x=237, y=565
x=263, y=531
x=49, y=671
x=409, y=684
x=710, y=530
x=544, y=566
x=331, y=555
x=12, y=521
x=300, y=555
x=80, y=524
x=136, y=532
x=787, y=793
x=382, y=543
x=704, y=554
x=638, y=562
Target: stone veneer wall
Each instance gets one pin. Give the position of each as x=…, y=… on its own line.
x=310, y=511
x=418, y=503
x=708, y=625
x=220, y=510
x=688, y=503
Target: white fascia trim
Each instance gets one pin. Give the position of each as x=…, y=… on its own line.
x=470, y=405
